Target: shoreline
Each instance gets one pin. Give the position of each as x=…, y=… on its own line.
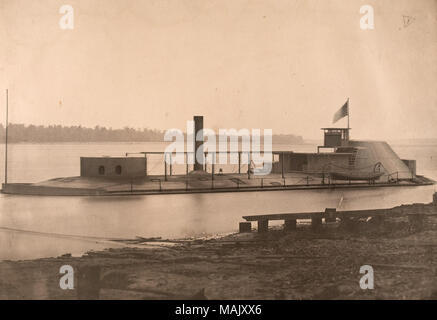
x=303, y=264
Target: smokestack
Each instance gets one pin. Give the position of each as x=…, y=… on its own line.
x=198, y=143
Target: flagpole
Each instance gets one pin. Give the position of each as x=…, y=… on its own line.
x=348, y=114
x=6, y=140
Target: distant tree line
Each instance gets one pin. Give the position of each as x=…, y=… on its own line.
x=287, y=139
x=58, y=133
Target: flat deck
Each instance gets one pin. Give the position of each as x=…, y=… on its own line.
x=192, y=183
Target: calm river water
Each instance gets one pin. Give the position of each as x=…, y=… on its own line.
x=33, y=226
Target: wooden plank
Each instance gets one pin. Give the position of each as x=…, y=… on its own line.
x=280, y=216
x=309, y=215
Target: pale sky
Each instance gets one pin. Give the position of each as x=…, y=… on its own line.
x=287, y=65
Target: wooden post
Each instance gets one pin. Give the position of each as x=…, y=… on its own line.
x=434, y=199
x=186, y=160
x=239, y=162
x=330, y=215
x=171, y=166
x=263, y=226
x=282, y=165
x=316, y=221
x=290, y=225
x=245, y=227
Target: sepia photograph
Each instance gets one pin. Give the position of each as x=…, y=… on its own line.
x=243, y=152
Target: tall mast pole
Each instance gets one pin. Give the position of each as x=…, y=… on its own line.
x=6, y=139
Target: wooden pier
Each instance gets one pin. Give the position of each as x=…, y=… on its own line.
x=415, y=216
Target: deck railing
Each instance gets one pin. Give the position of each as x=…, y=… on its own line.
x=232, y=182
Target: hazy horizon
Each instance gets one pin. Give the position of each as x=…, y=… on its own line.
x=283, y=65
x=319, y=140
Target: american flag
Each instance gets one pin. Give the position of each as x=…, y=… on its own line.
x=342, y=112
